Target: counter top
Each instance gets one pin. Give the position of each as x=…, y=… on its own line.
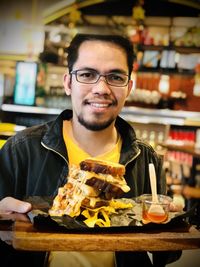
x=161, y=116
x=132, y=114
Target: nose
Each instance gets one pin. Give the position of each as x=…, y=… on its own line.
x=101, y=87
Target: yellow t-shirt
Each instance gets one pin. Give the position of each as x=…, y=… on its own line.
x=76, y=154
x=84, y=258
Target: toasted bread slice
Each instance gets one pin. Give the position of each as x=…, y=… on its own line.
x=102, y=166
x=90, y=185
x=106, y=189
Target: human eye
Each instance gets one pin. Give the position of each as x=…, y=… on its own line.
x=86, y=75
x=117, y=78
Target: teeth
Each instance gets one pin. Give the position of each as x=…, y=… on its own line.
x=98, y=105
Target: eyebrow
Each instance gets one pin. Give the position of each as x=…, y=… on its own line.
x=111, y=71
x=118, y=71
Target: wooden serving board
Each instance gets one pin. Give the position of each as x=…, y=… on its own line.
x=26, y=237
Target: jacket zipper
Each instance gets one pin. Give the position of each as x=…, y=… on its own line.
x=55, y=152
x=134, y=157
x=48, y=148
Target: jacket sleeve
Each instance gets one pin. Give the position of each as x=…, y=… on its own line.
x=7, y=182
x=161, y=175
x=162, y=258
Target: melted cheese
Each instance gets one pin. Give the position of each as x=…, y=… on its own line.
x=70, y=197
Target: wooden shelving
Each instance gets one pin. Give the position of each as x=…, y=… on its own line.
x=182, y=148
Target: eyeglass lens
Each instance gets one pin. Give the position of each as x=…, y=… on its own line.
x=90, y=77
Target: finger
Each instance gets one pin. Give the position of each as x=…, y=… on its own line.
x=14, y=216
x=6, y=236
x=10, y=204
x=175, y=207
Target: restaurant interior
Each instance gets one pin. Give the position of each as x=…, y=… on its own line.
x=164, y=104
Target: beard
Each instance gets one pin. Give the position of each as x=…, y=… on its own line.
x=95, y=126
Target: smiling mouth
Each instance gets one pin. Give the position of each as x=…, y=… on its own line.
x=101, y=105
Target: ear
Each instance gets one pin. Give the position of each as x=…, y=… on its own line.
x=130, y=85
x=67, y=83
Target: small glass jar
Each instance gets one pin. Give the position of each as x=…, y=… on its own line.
x=156, y=212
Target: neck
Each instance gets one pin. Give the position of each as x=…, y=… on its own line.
x=95, y=142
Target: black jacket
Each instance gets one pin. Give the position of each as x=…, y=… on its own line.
x=34, y=162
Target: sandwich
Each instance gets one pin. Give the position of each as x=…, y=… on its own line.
x=93, y=189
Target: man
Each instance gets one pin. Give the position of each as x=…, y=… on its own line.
x=35, y=161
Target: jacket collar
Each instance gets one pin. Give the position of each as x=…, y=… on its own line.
x=53, y=138
x=130, y=149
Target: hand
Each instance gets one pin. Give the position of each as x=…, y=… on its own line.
x=178, y=203
x=14, y=209
x=191, y=192
x=9, y=205
x=176, y=207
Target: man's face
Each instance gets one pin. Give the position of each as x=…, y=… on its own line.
x=96, y=106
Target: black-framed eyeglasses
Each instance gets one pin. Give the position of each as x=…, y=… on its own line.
x=92, y=77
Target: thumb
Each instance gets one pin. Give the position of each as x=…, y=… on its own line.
x=10, y=204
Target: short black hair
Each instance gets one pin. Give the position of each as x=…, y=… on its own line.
x=119, y=40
